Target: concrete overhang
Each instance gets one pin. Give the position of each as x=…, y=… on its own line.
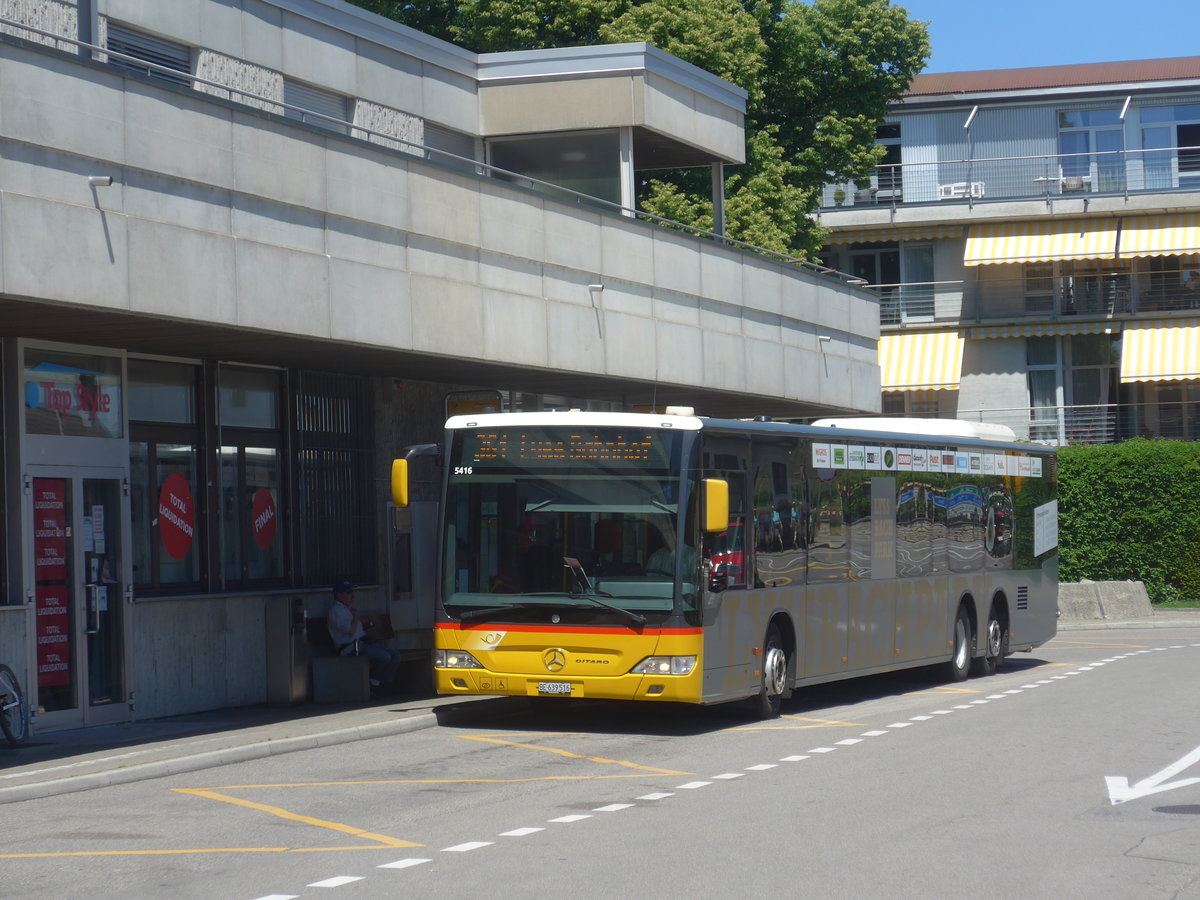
x=681, y=115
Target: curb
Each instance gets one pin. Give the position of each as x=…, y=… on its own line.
x=214, y=758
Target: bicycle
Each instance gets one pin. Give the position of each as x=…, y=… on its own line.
x=14, y=708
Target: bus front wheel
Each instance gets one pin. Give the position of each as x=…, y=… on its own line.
x=774, y=675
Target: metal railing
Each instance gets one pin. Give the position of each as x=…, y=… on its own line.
x=1088, y=424
x=1086, y=293
x=379, y=140
x=1050, y=177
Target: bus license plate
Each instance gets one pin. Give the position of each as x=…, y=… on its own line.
x=554, y=687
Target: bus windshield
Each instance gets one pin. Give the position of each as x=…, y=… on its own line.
x=583, y=522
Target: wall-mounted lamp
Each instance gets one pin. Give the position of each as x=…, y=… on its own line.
x=824, y=338
x=595, y=287
x=99, y=181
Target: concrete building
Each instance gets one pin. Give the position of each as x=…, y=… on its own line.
x=250, y=249
x=1033, y=236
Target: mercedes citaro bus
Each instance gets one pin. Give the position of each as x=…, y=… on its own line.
x=669, y=557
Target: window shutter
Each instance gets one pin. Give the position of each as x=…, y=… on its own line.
x=314, y=99
x=149, y=49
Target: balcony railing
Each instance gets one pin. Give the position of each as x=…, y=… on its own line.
x=1057, y=176
x=1100, y=424
x=1083, y=294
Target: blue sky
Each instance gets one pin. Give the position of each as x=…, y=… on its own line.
x=1011, y=34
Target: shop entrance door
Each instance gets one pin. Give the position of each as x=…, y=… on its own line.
x=81, y=591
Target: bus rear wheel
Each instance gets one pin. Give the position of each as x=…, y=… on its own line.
x=774, y=675
x=997, y=646
x=960, y=661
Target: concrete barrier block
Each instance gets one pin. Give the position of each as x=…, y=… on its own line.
x=1104, y=600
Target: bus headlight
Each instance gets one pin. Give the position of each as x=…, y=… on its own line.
x=665, y=665
x=455, y=659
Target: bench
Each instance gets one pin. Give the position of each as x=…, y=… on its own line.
x=334, y=678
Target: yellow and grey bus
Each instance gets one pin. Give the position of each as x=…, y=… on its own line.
x=670, y=557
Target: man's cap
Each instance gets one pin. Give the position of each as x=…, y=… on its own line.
x=343, y=587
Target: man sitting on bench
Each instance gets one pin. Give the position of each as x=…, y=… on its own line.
x=346, y=630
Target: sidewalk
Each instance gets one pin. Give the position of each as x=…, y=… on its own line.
x=60, y=762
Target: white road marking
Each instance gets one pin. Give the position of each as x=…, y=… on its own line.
x=520, y=832
x=467, y=847
x=404, y=863
x=822, y=749
x=796, y=758
x=761, y=767
x=692, y=785
x=996, y=696
x=873, y=733
x=942, y=712
x=921, y=718
x=613, y=807
x=661, y=795
x=279, y=897
x=336, y=881
x=729, y=775
x=899, y=724
x=849, y=742
x=1121, y=791
x=575, y=817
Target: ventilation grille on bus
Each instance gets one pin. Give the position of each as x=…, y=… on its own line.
x=1023, y=597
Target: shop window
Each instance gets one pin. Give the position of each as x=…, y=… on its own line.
x=165, y=479
x=72, y=394
x=252, y=512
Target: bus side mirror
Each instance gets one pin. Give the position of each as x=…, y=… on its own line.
x=716, y=504
x=400, y=483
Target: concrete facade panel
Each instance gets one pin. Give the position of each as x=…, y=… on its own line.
x=567, y=104
x=277, y=161
x=87, y=262
x=625, y=253
x=48, y=104
x=444, y=206
x=759, y=326
x=724, y=360
x=629, y=346
x=514, y=327
x=572, y=238
x=763, y=286
x=282, y=289
x=164, y=263
x=510, y=274
x=146, y=195
x=675, y=109
x=673, y=306
x=390, y=78
x=679, y=352
x=677, y=262
x=573, y=340
x=367, y=185
x=517, y=230
x=369, y=304
x=267, y=222
x=765, y=372
x=262, y=38
x=448, y=317
x=319, y=55
x=364, y=242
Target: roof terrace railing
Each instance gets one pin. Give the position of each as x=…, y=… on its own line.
x=1060, y=176
x=338, y=127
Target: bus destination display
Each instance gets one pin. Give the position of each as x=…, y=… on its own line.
x=534, y=447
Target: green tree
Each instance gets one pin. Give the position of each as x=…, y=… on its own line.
x=818, y=76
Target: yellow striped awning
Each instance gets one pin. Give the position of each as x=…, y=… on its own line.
x=1161, y=350
x=930, y=361
x=1041, y=241
x=1164, y=235
x=898, y=233
x=1043, y=329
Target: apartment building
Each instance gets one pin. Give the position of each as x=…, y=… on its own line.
x=251, y=249
x=1033, y=236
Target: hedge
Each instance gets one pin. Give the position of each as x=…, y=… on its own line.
x=1131, y=511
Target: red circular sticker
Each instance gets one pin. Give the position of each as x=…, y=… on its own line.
x=176, y=516
x=262, y=512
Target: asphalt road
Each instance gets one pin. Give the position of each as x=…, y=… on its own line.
x=1075, y=770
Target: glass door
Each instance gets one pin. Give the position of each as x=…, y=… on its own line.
x=81, y=592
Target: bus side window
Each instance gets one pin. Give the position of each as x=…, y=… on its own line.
x=727, y=553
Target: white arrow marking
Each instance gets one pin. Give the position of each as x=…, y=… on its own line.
x=1120, y=790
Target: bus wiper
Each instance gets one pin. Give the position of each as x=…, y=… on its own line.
x=594, y=596
x=485, y=612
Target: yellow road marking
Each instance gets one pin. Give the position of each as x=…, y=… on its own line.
x=567, y=753
x=296, y=817
x=147, y=852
